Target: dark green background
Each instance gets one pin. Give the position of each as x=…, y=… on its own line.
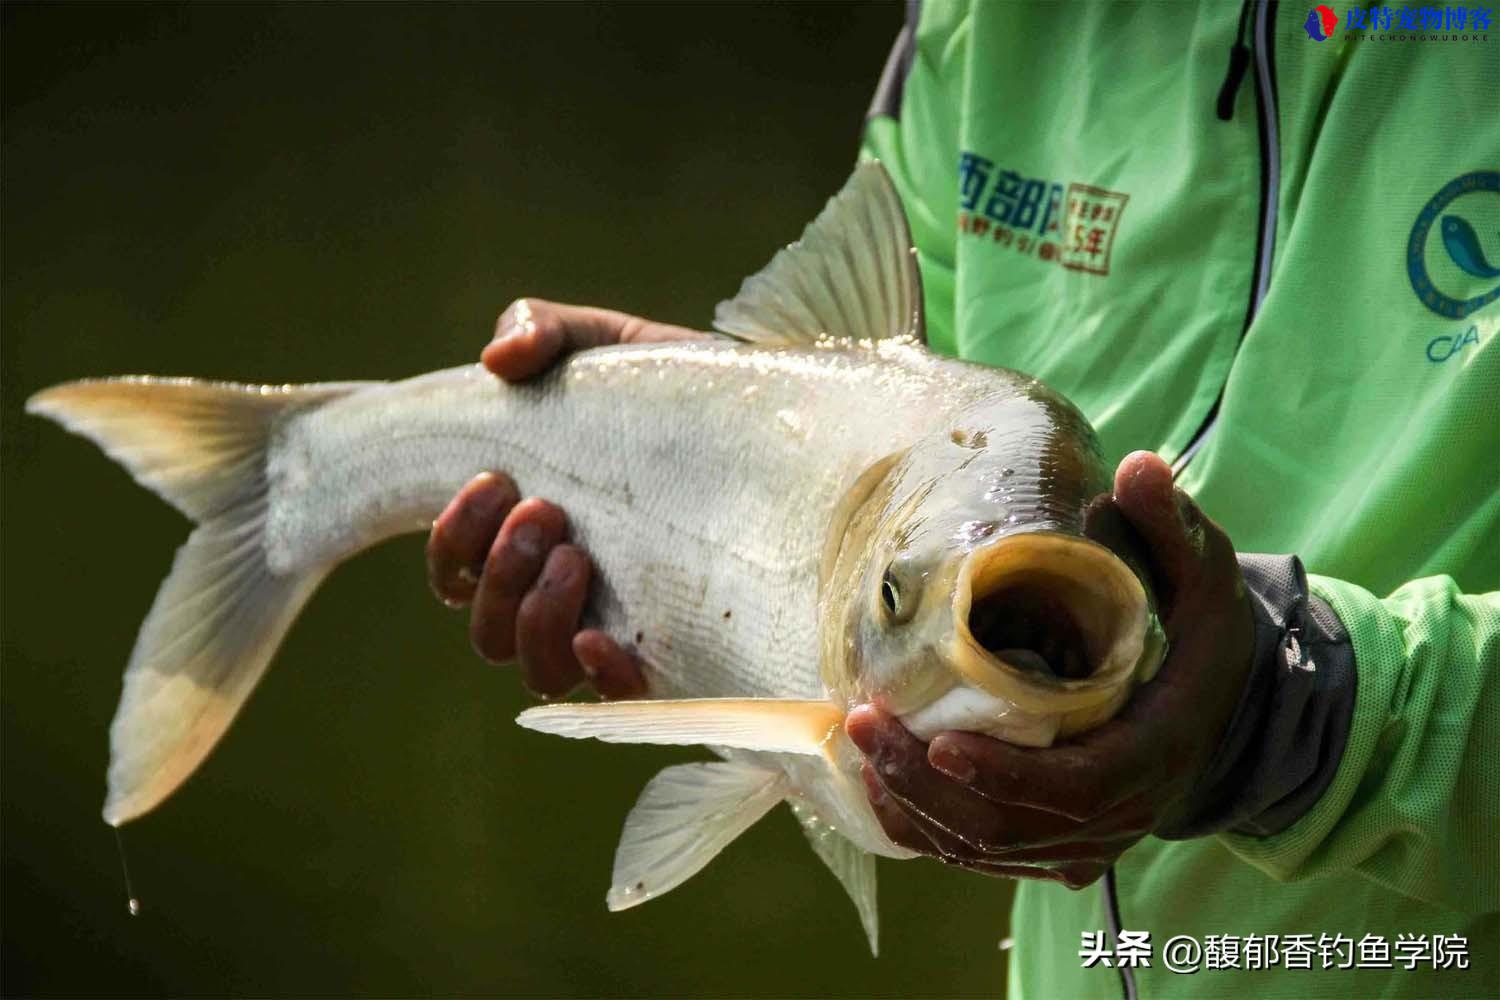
x=311, y=193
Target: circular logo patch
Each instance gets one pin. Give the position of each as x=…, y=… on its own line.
x=1458, y=253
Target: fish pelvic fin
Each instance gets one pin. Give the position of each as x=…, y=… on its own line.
x=850, y=864
x=221, y=612
x=684, y=817
x=773, y=725
x=853, y=274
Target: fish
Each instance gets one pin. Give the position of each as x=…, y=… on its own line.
x=1462, y=244
x=806, y=512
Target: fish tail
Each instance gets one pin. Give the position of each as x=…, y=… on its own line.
x=222, y=610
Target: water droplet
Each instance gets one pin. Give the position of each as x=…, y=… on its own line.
x=132, y=904
x=973, y=531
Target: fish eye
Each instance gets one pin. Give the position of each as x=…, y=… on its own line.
x=890, y=595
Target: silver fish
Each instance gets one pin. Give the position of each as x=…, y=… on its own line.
x=809, y=512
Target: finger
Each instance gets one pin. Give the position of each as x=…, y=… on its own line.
x=515, y=559
x=1207, y=617
x=546, y=620
x=898, y=826
x=1081, y=780
x=1042, y=862
x=613, y=671
x=1105, y=523
x=462, y=534
x=1081, y=875
x=1181, y=542
x=531, y=334
x=1074, y=876
x=936, y=802
x=1039, y=874
x=1071, y=853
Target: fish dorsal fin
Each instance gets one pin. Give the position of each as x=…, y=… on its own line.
x=774, y=725
x=853, y=867
x=685, y=816
x=852, y=274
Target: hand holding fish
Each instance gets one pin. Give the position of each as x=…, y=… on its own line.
x=505, y=558
x=1065, y=813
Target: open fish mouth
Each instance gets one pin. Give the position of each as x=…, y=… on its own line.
x=1053, y=605
x=1051, y=634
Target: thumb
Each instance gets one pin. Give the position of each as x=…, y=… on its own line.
x=1181, y=542
x=532, y=334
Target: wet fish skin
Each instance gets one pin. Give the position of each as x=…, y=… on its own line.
x=710, y=492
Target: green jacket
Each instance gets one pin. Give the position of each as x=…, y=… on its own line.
x=1297, y=303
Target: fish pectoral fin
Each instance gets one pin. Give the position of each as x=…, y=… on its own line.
x=852, y=274
x=851, y=865
x=773, y=725
x=685, y=816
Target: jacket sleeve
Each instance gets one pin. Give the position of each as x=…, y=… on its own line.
x=1411, y=802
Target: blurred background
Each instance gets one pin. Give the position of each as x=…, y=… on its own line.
x=305, y=193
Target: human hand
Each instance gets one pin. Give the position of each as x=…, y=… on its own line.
x=508, y=559
x=1066, y=812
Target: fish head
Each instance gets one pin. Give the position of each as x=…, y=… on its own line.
x=973, y=588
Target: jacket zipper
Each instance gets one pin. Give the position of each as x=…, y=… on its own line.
x=1264, y=51
x=1112, y=917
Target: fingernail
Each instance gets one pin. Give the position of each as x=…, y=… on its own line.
x=518, y=320
x=952, y=763
x=527, y=540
